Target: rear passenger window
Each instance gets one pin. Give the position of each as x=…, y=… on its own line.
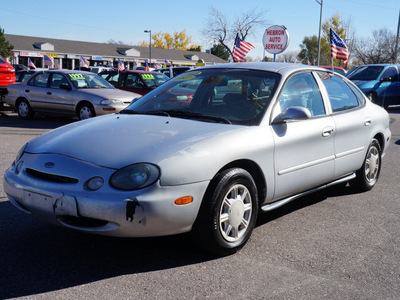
x=340, y=95
x=40, y=80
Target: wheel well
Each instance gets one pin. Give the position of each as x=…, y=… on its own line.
x=19, y=100
x=381, y=140
x=255, y=172
x=78, y=106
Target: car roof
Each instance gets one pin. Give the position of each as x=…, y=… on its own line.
x=282, y=68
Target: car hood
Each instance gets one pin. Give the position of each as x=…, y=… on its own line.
x=110, y=93
x=118, y=140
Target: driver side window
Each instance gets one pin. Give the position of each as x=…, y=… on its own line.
x=302, y=90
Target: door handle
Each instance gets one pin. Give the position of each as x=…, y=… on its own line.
x=48, y=93
x=367, y=122
x=326, y=132
x=27, y=91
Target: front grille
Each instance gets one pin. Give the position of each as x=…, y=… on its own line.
x=51, y=177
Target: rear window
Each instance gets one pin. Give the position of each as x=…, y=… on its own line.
x=340, y=94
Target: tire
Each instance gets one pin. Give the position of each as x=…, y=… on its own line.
x=85, y=111
x=228, y=213
x=24, y=110
x=368, y=175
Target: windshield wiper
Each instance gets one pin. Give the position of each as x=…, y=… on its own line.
x=195, y=115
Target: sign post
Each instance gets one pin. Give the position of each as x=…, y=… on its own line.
x=276, y=39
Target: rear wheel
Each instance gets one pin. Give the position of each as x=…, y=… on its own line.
x=228, y=213
x=85, y=111
x=368, y=175
x=24, y=109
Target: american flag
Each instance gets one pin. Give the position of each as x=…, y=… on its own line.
x=83, y=62
x=146, y=66
x=59, y=65
x=338, y=47
x=167, y=62
x=240, y=49
x=31, y=64
x=47, y=61
x=121, y=66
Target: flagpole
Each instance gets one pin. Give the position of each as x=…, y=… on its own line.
x=319, y=34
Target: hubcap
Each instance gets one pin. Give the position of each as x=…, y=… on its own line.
x=23, y=109
x=372, y=164
x=85, y=113
x=235, y=213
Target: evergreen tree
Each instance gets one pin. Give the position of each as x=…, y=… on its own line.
x=5, y=46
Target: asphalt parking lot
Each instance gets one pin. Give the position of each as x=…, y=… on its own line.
x=334, y=244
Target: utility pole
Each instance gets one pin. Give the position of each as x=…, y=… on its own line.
x=397, y=41
x=321, y=2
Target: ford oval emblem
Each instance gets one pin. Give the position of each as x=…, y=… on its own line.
x=49, y=164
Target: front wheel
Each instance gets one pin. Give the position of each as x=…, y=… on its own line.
x=368, y=175
x=228, y=213
x=85, y=111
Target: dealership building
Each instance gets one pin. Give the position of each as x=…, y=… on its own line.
x=67, y=53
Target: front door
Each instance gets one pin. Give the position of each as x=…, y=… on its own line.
x=304, y=149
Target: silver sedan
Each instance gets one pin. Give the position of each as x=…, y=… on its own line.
x=67, y=92
x=205, y=152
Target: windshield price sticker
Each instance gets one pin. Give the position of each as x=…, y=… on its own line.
x=76, y=76
x=147, y=76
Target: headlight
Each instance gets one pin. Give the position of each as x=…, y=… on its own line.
x=135, y=176
x=20, y=152
x=111, y=102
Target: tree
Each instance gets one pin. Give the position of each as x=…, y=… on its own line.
x=5, y=46
x=220, y=30
x=178, y=41
x=378, y=49
x=220, y=51
x=288, y=56
x=111, y=41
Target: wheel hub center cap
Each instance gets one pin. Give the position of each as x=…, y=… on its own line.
x=236, y=212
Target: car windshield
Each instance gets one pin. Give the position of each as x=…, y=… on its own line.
x=366, y=73
x=154, y=79
x=88, y=81
x=234, y=96
x=2, y=61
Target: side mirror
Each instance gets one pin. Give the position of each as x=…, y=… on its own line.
x=292, y=113
x=65, y=86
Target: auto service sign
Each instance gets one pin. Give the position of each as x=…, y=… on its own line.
x=276, y=39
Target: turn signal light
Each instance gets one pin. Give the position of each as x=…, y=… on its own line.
x=184, y=200
x=109, y=108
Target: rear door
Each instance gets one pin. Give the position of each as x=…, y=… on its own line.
x=36, y=91
x=304, y=149
x=352, y=123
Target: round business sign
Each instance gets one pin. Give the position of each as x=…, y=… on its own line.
x=276, y=39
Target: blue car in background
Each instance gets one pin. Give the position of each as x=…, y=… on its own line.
x=380, y=83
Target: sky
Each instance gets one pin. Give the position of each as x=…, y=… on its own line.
x=125, y=20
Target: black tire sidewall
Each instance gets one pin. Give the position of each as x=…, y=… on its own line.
x=89, y=106
x=30, y=112
x=208, y=228
x=361, y=181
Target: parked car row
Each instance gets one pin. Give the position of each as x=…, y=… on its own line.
x=205, y=152
x=66, y=92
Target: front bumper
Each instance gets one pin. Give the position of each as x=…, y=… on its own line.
x=143, y=213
